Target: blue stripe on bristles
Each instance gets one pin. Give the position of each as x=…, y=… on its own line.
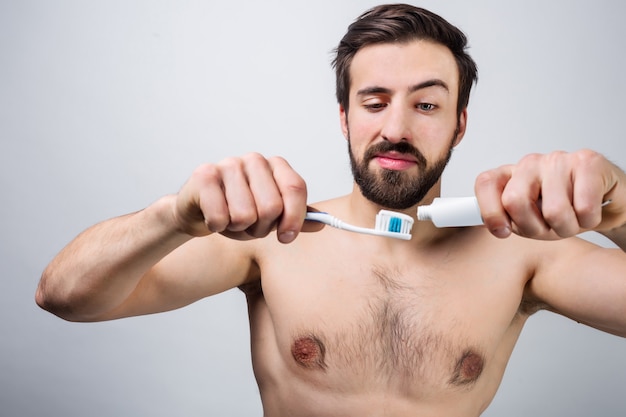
x=394, y=224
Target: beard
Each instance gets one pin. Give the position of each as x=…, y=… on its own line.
x=392, y=189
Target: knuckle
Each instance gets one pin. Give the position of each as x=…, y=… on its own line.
x=270, y=210
x=532, y=159
x=561, y=218
x=295, y=184
x=588, y=157
x=241, y=219
x=231, y=163
x=485, y=177
x=254, y=158
x=554, y=158
x=586, y=208
x=512, y=200
x=206, y=172
x=492, y=177
x=289, y=179
x=216, y=222
x=277, y=160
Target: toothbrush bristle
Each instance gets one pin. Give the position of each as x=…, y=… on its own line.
x=393, y=222
x=395, y=225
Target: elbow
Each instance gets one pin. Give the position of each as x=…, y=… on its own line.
x=52, y=299
x=45, y=298
x=40, y=296
x=70, y=302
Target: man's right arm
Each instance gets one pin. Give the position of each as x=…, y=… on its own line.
x=175, y=251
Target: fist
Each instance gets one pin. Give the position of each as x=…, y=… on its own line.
x=552, y=196
x=243, y=198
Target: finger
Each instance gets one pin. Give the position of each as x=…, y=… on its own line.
x=267, y=197
x=242, y=209
x=557, y=206
x=590, y=188
x=201, y=204
x=294, y=196
x=488, y=189
x=520, y=197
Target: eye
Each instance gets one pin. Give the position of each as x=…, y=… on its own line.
x=427, y=107
x=373, y=107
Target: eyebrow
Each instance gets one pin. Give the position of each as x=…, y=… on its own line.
x=435, y=82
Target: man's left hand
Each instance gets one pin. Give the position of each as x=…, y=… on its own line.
x=553, y=196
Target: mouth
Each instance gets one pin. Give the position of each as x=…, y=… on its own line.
x=395, y=161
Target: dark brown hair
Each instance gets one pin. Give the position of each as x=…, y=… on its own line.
x=393, y=23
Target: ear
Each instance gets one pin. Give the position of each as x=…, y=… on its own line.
x=461, y=127
x=343, y=117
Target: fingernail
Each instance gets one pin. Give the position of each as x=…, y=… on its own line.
x=287, y=237
x=501, y=232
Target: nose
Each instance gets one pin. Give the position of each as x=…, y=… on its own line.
x=396, y=126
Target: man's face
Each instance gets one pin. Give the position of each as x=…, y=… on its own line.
x=402, y=122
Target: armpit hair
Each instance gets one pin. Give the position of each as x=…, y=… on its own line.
x=529, y=306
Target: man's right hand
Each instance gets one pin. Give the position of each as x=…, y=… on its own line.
x=243, y=198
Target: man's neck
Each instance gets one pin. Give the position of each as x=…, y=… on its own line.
x=363, y=212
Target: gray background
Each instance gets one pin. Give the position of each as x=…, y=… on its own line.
x=107, y=105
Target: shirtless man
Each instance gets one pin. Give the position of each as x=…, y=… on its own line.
x=344, y=324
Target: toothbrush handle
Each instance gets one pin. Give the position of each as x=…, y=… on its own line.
x=333, y=221
x=322, y=217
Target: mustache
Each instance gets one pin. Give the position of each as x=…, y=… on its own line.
x=400, y=147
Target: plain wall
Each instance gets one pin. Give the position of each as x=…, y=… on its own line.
x=107, y=105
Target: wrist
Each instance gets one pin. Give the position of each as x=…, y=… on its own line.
x=164, y=213
x=170, y=213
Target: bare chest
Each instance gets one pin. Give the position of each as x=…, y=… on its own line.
x=415, y=329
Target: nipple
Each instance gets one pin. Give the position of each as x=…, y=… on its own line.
x=468, y=369
x=308, y=352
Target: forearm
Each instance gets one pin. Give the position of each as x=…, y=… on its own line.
x=101, y=267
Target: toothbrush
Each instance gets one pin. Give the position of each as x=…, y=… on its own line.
x=456, y=212
x=388, y=224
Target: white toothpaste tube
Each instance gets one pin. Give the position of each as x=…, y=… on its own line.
x=451, y=212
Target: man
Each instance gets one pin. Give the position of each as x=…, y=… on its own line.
x=345, y=324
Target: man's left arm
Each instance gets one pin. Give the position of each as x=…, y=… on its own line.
x=582, y=281
x=555, y=197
